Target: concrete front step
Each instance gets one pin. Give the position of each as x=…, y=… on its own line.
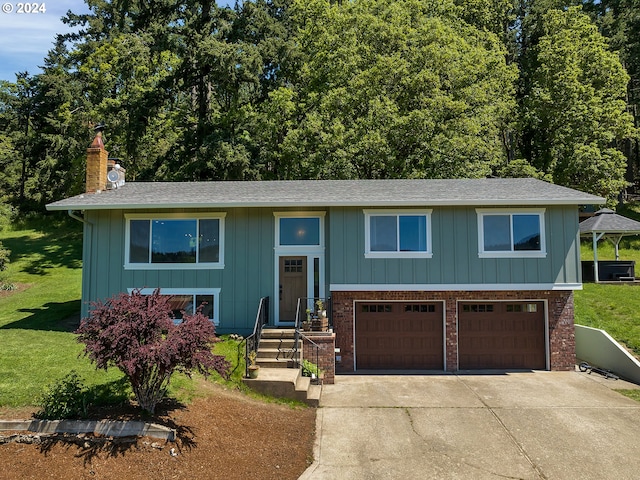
x=274, y=363
x=284, y=345
x=274, y=353
x=278, y=333
x=285, y=383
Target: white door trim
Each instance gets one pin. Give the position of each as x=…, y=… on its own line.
x=309, y=251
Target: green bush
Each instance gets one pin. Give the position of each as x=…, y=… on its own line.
x=309, y=368
x=67, y=398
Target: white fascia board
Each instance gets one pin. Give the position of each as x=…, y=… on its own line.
x=441, y=287
x=315, y=204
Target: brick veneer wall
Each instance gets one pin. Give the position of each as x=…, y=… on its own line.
x=560, y=317
x=326, y=353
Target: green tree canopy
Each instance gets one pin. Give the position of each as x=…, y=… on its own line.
x=389, y=89
x=574, y=112
x=283, y=89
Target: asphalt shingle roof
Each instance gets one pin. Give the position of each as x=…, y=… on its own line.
x=309, y=193
x=608, y=221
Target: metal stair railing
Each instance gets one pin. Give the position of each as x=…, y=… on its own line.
x=292, y=353
x=253, y=340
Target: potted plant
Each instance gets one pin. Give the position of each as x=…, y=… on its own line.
x=321, y=324
x=253, y=368
x=310, y=369
x=306, y=324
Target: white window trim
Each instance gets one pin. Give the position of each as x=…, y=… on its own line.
x=301, y=249
x=481, y=212
x=174, y=266
x=368, y=213
x=188, y=291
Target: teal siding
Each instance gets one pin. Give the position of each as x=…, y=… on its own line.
x=249, y=271
x=247, y=276
x=455, y=253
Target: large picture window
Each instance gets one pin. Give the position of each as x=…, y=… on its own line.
x=514, y=233
x=171, y=242
x=397, y=234
x=186, y=300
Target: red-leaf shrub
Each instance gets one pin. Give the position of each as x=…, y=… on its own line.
x=136, y=333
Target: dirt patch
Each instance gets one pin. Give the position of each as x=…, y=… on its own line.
x=16, y=287
x=225, y=435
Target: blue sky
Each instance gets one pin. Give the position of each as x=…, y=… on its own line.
x=25, y=38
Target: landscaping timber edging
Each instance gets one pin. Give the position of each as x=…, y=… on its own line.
x=110, y=428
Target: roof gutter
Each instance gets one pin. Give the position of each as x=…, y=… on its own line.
x=77, y=217
x=326, y=204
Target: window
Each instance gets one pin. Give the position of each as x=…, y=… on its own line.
x=299, y=231
x=379, y=308
x=391, y=234
x=518, y=307
x=174, y=242
x=184, y=299
x=420, y=308
x=514, y=233
x=477, y=308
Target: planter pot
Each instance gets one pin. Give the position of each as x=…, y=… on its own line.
x=306, y=326
x=253, y=371
x=320, y=324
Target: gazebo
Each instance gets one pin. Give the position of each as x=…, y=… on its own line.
x=608, y=224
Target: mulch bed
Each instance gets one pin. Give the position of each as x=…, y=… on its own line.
x=225, y=435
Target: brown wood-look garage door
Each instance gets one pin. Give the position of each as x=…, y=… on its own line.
x=394, y=335
x=501, y=335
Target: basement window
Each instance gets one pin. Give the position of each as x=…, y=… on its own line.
x=185, y=300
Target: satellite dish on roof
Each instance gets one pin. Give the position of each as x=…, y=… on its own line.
x=113, y=176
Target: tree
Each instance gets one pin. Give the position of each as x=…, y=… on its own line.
x=392, y=89
x=136, y=333
x=573, y=109
x=619, y=21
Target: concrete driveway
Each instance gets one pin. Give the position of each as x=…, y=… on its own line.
x=539, y=425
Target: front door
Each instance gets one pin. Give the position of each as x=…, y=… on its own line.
x=293, y=285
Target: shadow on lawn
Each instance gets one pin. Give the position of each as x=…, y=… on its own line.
x=46, y=252
x=52, y=316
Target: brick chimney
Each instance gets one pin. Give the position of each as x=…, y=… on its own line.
x=96, y=165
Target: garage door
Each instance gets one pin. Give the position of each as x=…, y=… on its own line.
x=394, y=335
x=502, y=335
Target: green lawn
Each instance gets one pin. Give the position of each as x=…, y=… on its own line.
x=613, y=307
x=37, y=346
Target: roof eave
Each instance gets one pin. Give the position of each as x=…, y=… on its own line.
x=360, y=203
x=606, y=232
